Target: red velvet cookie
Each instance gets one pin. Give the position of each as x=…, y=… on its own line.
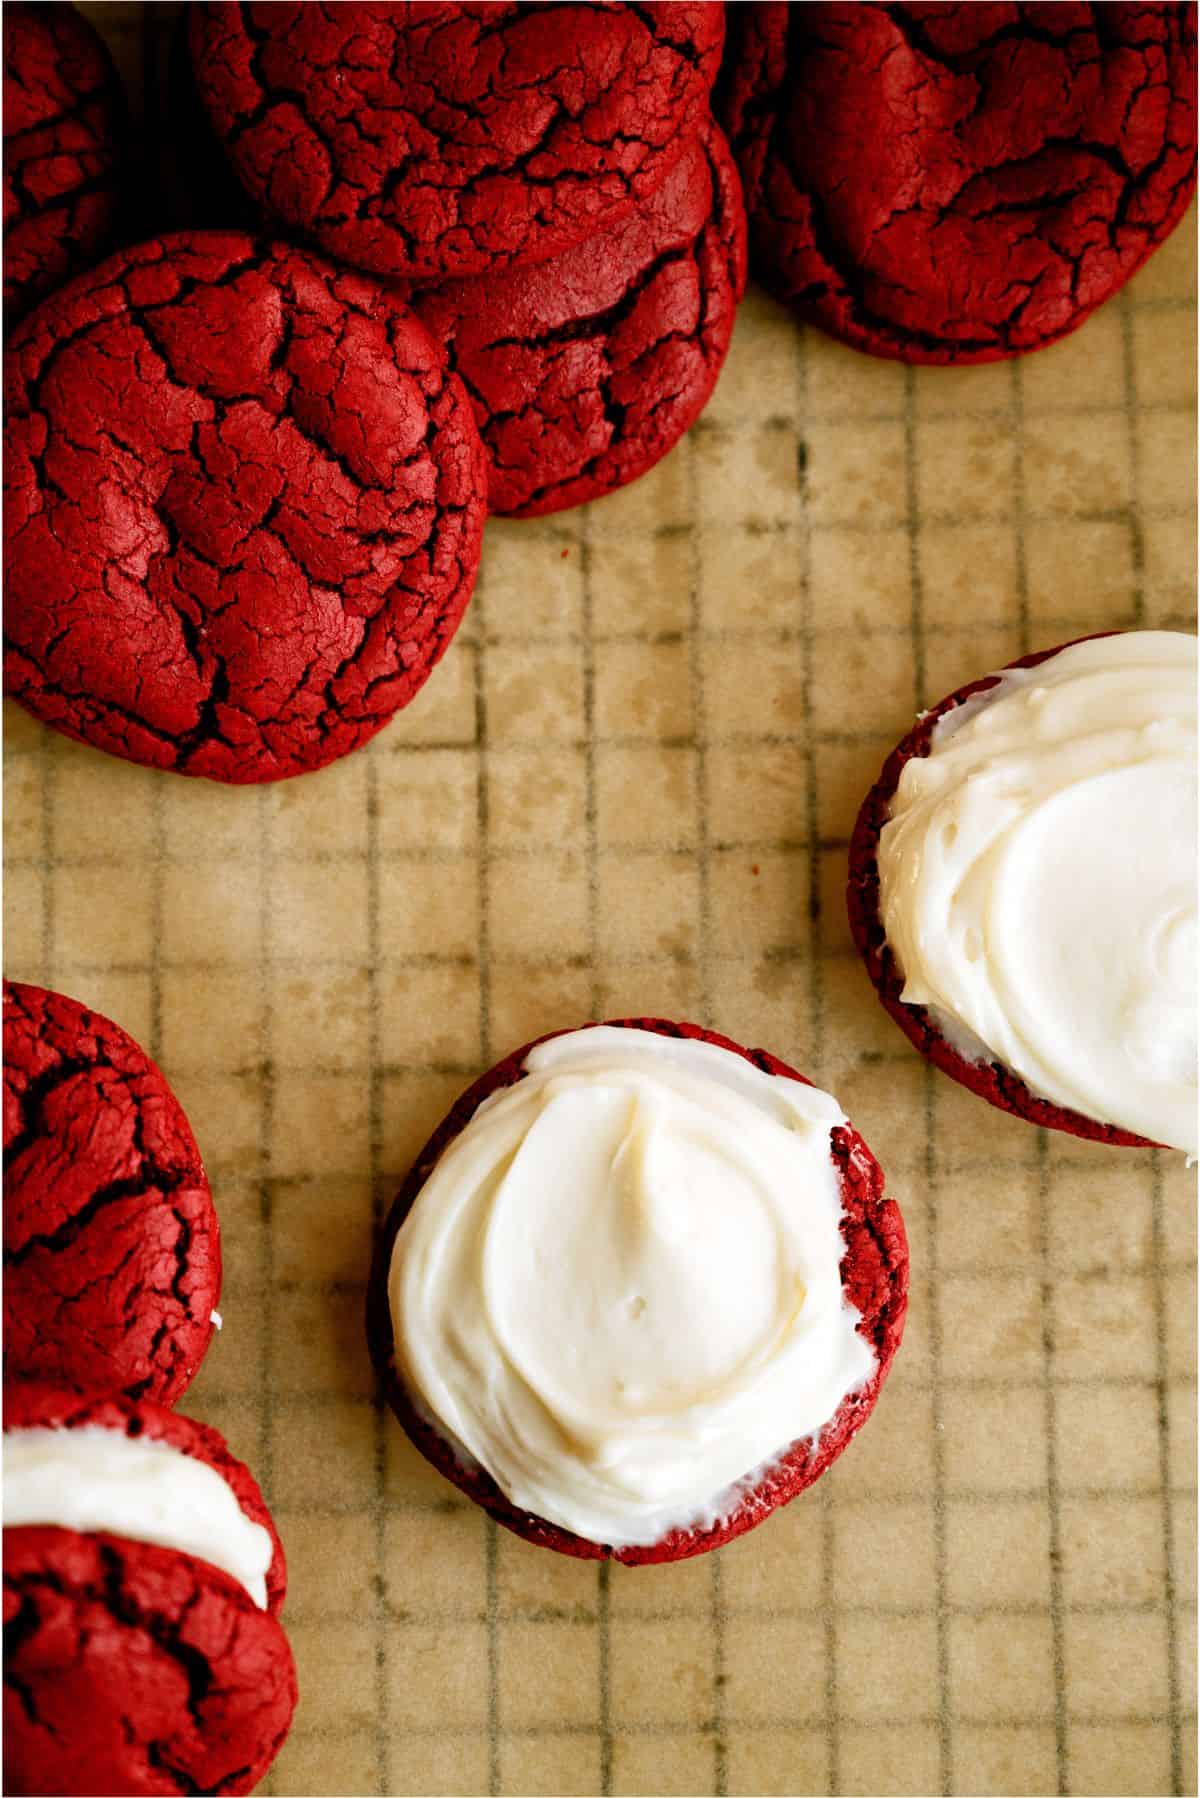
x=244, y=508
x=945, y=183
x=130, y=1667
x=586, y=369
x=991, y=1080
x=437, y=140
x=64, y=120
x=112, y=1257
x=874, y=1274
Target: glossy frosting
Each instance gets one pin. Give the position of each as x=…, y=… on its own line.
x=1038, y=880
x=619, y=1288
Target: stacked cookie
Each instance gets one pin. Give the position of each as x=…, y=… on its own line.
x=143, y=1575
x=553, y=172
x=548, y=239
x=247, y=479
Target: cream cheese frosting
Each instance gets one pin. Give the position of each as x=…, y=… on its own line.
x=95, y=1478
x=619, y=1291
x=1038, y=880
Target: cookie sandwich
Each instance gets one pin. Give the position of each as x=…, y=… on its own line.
x=142, y=1580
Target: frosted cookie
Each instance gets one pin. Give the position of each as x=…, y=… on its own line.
x=1022, y=887
x=641, y=1288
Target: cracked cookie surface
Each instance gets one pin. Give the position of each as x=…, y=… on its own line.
x=874, y=1273
x=64, y=120
x=586, y=369
x=434, y=140
x=132, y=1669
x=244, y=508
x=945, y=183
x=112, y=1260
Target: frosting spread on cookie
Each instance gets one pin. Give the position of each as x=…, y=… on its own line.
x=619, y=1290
x=1037, y=880
x=97, y=1479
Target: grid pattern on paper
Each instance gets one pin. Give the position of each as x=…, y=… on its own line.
x=628, y=788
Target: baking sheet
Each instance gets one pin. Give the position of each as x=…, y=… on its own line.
x=628, y=788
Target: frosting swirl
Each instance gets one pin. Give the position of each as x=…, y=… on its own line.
x=1037, y=880
x=619, y=1288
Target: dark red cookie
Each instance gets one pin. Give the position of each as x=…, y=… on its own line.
x=112, y=1257
x=943, y=183
x=244, y=508
x=586, y=369
x=64, y=121
x=437, y=140
x=990, y=1079
x=874, y=1277
x=131, y=1668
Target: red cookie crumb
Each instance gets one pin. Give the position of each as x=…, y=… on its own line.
x=30, y=1404
x=437, y=140
x=944, y=183
x=991, y=1080
x=64, y=121
x=874, y=1277
x=112, y=1257
x=586, y=369
x=244, y=508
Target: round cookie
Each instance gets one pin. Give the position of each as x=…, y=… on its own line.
x=64, y=121
x=244, y=508
x=874, y=1273
x=990, y=1080
x=958, y=184
x=435, y=140
x=586, y=369
x=130, y=1666
x=112, y=1257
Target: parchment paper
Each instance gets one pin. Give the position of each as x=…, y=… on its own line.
x=628, y=788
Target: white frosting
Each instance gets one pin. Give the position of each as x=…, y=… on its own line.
x=95, y=1478
x=619, y=1288
x=1038, y=880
